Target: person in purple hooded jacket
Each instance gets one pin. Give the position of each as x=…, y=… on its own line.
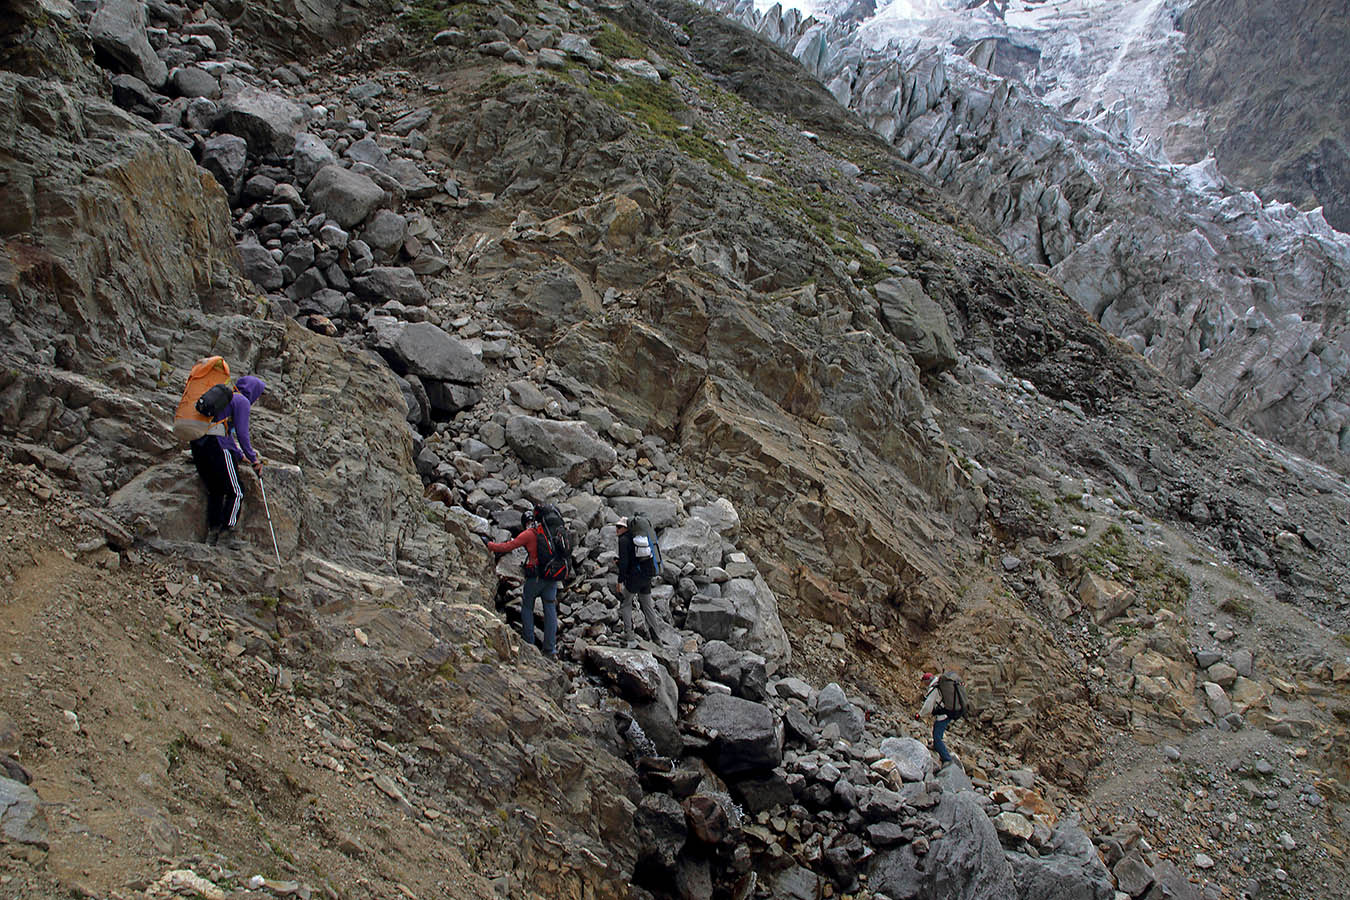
x=217, y=458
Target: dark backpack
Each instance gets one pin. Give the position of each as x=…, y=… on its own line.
x=952, y=693
x=554, y=545
x=215, y=401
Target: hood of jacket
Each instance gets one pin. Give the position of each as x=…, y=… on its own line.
x=251, y=386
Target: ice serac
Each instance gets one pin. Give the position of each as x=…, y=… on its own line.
x=1229, y=296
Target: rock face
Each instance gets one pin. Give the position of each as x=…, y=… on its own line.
x=1205, y=282
x=1240, y=58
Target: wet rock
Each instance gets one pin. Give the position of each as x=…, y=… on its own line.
x=661, y=832
x=117, y=30
x=570, y=450
x=345, y=196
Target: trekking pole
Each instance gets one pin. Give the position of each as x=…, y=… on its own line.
x=275, y=549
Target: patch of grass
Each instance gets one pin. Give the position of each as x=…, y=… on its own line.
x=1127, y=630
x=659, y=108
x=616, y=43
x=174, y=752
x=1239, y=608
x=426, y=17
x=1155, y=582
x=446, y=671
x=226, y=739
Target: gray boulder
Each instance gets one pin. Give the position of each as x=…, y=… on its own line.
x=1069, y=870
x=578, y=47
x=912, y=759
x=21, y=817
x=385, y=233
x=660, y=511
x=896, y=873
x=191, y=81
x=345, y=196
x=449, y=398
x=660, y=828
x=571, y=450
x=833, y=707
x=225, y=156
x=748, y=737
x=757, y=607
x=258, y=264
x=917, y=320
x=368, y=152
x=967, y=862
x=428, y=352
x=647, y=685
x=693, y=542
x=117, y=30
x=413, y=180
x=712, y=617
x=390, y=283
x=311, y=155
x=1170, y=883
x=269, y=122
x=1133, y=875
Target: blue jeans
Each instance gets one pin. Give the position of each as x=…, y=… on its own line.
x=939, y=729
x=548, y=591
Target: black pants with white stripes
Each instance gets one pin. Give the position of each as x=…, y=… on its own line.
x=223, y=493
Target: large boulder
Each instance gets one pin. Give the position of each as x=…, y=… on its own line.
x=225, y=156
x=967, y=862
x=118, y=33
x=1070, y=870
x=570, y=450
x=912, y=759
x=259, y=264
x=661, y=831
x=311, y=155
x=918, y=321
x=384, y=283
x=428, y=352
x=269, y=122
x=756, y=606
x=21, y=817
x=712, y=617
x=649, y=688
x=747, y=735
x=832, y=706
x=660, y=511
x=693, y=542
x=345, y=196
x=896, y=873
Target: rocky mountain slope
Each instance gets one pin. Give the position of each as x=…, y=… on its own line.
x=624, y=258
x=1237, y=301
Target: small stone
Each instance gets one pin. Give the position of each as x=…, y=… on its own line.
x=1172, y=753
x=1203, y=861
x=1287, y=841
x=1011, y=563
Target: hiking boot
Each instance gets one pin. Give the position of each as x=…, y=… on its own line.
x=212, y=536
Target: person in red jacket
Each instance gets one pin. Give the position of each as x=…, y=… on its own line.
x=535, y=586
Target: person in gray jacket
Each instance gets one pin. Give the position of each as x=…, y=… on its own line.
x=943, y=711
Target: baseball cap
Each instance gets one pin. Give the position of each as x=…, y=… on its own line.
x=622, y=523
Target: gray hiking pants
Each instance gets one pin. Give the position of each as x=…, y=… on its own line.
x=648, y=613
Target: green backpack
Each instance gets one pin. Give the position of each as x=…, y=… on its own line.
x=952, y=693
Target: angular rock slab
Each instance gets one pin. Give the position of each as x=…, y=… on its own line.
x=269, y=122
x=1071, y=870
x=912, y=759
x=21, y=817
x=571, y=450
x=748, y=737
x=833, y=707
x=343, y=195
x=918, y=321
x=118, y=31
x=427, y=351
x=967, y=862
